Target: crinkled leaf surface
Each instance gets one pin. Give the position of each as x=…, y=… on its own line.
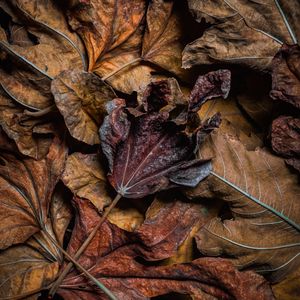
x=55, y=49
x=113, y=255
x=85, y=177
x=286, y=76
x=81, y=98
x=262, y=193
x=33, y=136
x=26, y=189
x=243, y=32
x=147, y=152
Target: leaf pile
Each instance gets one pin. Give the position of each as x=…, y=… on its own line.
x=149, y=149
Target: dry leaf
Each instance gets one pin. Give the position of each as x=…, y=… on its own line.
x=286, y=76
x=261, y=194
x=243, y=32
x=28, y=268
x=105, y=25
x=116, y=257
x=146, y=151
x=26, y=189
x=155, y=37
x=85, y=177
x=81, y=98
x=33, y=136
x=285, y=139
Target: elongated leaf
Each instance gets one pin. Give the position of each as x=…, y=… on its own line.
x=262, y=195
x=243, y=32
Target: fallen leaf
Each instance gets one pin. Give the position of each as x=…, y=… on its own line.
x=85, y=177
x=33, y=136
x=26, y=186
x=261, y=195
x=285, y=139
x=27, y=269
x=81, y=98
x=104, y=25
x=146, y=151
x=28, y=78
x=155, y=44
x=286, y=76
x=116, y=258
x=242, y=32
x=288, y=289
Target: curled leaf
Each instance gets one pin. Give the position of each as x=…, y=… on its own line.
x=81, y=98
x=85, y=177
x=147, y=152
x=248, y=33
x=286, y=76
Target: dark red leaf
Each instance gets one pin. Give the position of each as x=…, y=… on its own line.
x=147, y=150
x=286, y=75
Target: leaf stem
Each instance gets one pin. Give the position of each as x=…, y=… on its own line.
x=82, y=269
x=61, y=277
x=41, y=112
x=121, y=68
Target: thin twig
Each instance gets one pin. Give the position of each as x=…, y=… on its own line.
x=67, y=269
x=82, y=269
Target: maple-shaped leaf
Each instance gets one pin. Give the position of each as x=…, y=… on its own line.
x=261, y=229
x=26, y=190
x=146, y=150
x=118, y=258
x=242, y=32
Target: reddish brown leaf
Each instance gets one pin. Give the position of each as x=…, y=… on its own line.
x=285, y=139
x=146, y=151
x=116, y=258
x=286, y=75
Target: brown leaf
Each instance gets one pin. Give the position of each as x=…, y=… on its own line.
x=81, y=98
x=286, y=75
x=158, y=40
x=85, y=177
x=27, y=186
x=28, y=268
x=54, y=50
x=115, y=257
x=33, y=136
x=104, y=25
x=260, y=192
x=247, y=33
x=146, y=151
x=288, y=289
